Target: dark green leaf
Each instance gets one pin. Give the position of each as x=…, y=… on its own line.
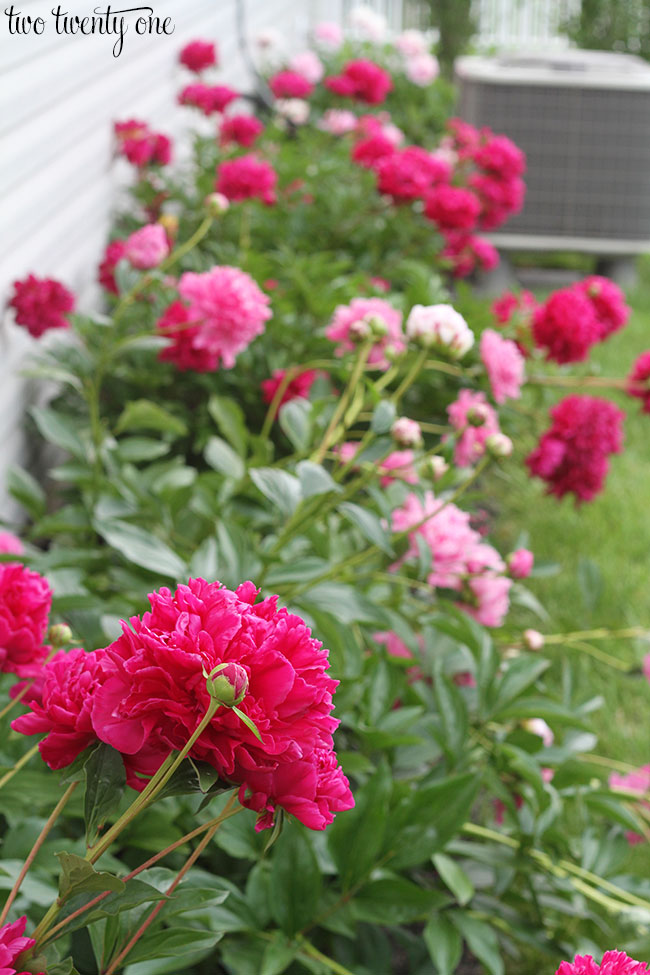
x=142, y=414
x=481, y=939
x=295, y=883
x=396, y=900
x=142, y=548
x=27, y=491
x=105, y=783
x=455, y=877
x=356, y=838
x=443, y=943
x=368, y=524
x=80, y=877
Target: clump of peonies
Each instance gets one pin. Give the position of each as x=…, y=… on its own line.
x=290, y=84
x=114, y=253
x=572, y=456
x=638, y=381
x=362, y=318
x=452, y=207
x=146, y=693
x=408, y=173
x=520, y=563
x=147, y=247
x=199, y=55
x=40, y=304
x=12, y=944
x=461, y=560
x=207, y=98
x=474, y=421
x=141, y=145
x=361, y=79
x=298, y=386
x=439, y=327
x=221, y=312
x=573, y=319
x=247, y=178
x=608, y=301
x=504, y=365
x=25, y=601
x=243, y=130
x=613, y=963
x=638, y=781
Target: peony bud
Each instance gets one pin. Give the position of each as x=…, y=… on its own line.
x=59, y=634
x=438, y=467
x=406, y=432
x=378, y=326
x=440, y=327
x=478, y=415
x=228, y=684
x=537, y=726
x=216, y=204
x=169, y=221
x=498, y=445
x=360, y=330
x=520, y=562
x=533, y=639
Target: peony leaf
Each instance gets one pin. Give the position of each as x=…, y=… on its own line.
x=443, y=943
x=247, y=721
x=105, y=782
x=295, y=882
x=142, y=414
x=80, y=877
x=142, y=548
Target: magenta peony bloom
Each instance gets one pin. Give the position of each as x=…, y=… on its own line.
x=142, y=146
x=40, y=304
x=638, y=381
x=608, y=301
x=354, y=322
x=222, y=311
x=510, y=304
x=408, y=173
x=500, y=198
x=297, y=388
x=25, y=601
x=290, y=84
x=247, y=178
x=156, y=696
x=613, y=963
x=474, y=421
x=367, y=152
x=362, y=79
x=12, y=945
x=504, y=365
x=500, y=156
x=10, y=543
x=147, y=247
x=452, y=207
x=243, y=130
x=199, y=55
x=638, y=781
x=520, y=562
x=207, y=98
x=114, y=253
x=566, y=326
x=572, y=456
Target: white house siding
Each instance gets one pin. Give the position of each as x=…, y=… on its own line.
x=58, y=179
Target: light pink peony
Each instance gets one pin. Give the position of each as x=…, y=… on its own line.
x=422, y=69
x=533, y=639
x=147, y=247
x=354, y=322
x=505, y=365
x=520, y=562
x=411, y=43
x=329, y=35
x=224, y=311
x=637, y=781
x=25, y=600
x=406, y=432
x=309, y=65
x=474, y=421
x=338, y=121
x=440, y=327
x=9, y=543
x=12, y=945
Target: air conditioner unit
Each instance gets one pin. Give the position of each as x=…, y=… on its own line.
x=583, y=120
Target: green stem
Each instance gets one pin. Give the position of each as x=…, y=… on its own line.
x=342, y=405
x=312, y=952
x=19, y=764
x=42, y=836
x=410, y=377
x=600, y=634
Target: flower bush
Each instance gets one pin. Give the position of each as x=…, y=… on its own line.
x=284, y=394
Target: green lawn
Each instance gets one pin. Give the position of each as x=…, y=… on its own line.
x=606, y=542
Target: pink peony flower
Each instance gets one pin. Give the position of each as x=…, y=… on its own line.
x=504, y=365
x=141, y=145
x=156, y=696
x=613, y=963
x=25, y=601
x=398, y=466
x=511, y=304
x=467, y=252
x=329, y=35
x=114, y=253
x=409, y=173
x=500, y=156
x=338, y=121
x=10, y=543
x=363, y=80
x=533, y=639
x=490, y=591
x=452, y=207
x=370, y=24
x=298, y=387
x=354, y=321
x=309, y=65
x=294, y=110
x=411, y=43
x=499, y=198
x=199, y=55
x=12, y=945
x=367, y=152
x=608, y=302
x=247, y=178
x=422, y=69
x=41, y=304
x=207, y=98
x=638, y=381
x=440, y=327
x=394, y=645
x=224, y=311
x=147, y=247
x=520, y=563
x=566, y=326
x=475, y=421
x=638, y=781
x=406, y=432
x=572, y=456
x=243, y=130
x=290, y=84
